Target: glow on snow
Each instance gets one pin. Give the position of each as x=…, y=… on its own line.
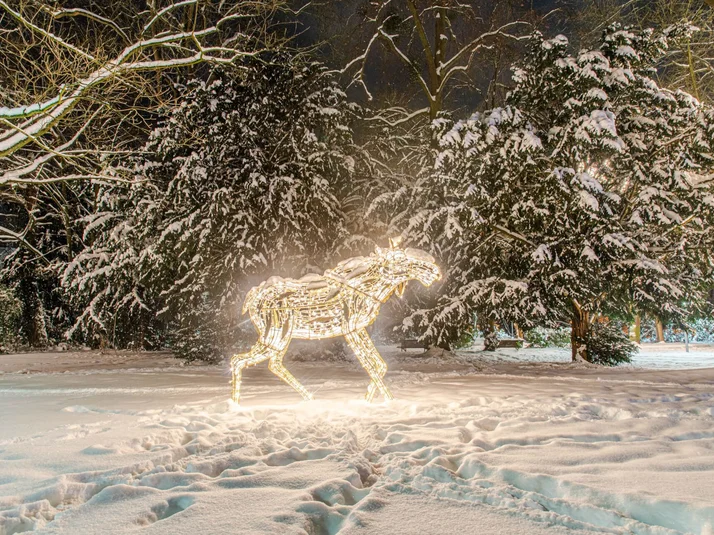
x=341, y=302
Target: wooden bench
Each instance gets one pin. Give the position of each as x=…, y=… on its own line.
x=514, y=343
x=412, y=344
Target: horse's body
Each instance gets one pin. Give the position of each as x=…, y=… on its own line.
x=342, y=302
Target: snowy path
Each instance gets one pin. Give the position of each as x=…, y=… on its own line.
x=526, y=449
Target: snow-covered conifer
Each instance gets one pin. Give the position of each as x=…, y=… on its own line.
x=242, y=180
x=588, y=192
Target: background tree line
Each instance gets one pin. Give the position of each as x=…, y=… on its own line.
x=160, y=158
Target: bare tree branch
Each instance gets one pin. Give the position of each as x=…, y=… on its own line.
x=433, y=71
x=44, y=115
x=25, y=22
x=11, y=236
x=66, y=178
x=79, y=12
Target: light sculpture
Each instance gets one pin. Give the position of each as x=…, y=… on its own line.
x=341, y=302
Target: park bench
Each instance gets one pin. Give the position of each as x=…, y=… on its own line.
x=515, y=343
x=410, y=343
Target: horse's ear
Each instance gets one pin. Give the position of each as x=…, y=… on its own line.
x=395, y=242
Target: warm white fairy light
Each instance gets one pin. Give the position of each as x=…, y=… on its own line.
x=341, y=302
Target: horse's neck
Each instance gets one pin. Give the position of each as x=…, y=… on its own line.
x=370, y=283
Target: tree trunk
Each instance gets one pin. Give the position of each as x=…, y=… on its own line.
x=660, y=330
x=490, y=336
x=517, y=330
x=490, y=343
x=32, y=324
x=439, y=57
x=444, y=345
x=638, y=329
x=579, y=330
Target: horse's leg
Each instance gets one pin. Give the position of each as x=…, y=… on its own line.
x=381, y=369
x=371, y=361
x=276, y=366
x=258, y=353
x=279, y=338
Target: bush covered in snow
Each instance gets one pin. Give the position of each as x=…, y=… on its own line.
x=543, y=337
x=329, y=350
x=608, y=345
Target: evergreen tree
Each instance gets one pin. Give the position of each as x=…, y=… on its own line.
x=586, y=193
x=244, y=179
x=46, y=220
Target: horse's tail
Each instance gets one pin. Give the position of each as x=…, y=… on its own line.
x=249, y=298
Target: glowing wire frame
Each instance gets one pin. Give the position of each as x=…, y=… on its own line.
x=341, y=302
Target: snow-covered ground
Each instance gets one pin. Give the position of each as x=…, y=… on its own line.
x=511, y=443
x=657, y=356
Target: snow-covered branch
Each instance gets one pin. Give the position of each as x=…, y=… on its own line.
x=15, y=175
x=428, y=54
x=431, y=68
x=23, y=112
x=361, y=61
x=166, y=10
x=29, y=24
x=7, y=235
x=389, y=39
x=40, y=117
x=65, y=178
x=60, y=13
x=457, y=64
x=405, y=117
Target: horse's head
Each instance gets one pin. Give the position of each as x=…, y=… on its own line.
x=401, y=265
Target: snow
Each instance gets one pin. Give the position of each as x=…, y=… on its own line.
x=589, y=201
x=418, y=254
x=516, y=441
x=669, y=356
x=30, y=109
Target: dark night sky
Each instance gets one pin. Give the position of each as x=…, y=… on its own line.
x=338, y=26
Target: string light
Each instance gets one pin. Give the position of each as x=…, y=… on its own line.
x=341, y=302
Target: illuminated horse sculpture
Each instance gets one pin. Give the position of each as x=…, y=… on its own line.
x=341, y=302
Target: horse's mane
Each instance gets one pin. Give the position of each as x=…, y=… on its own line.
x=346, y=270
x=353, y=267
x=355, y=272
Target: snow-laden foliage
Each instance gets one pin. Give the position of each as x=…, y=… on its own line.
x=694, y=329
x=544, y=337
x=588, y=190
x=608, y=345
x=10, y=312
x=241, y=181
